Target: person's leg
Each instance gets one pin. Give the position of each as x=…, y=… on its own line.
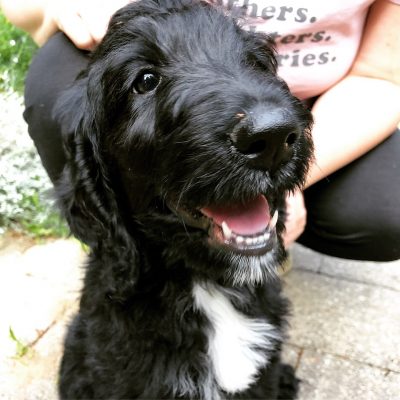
x=355, y=213
x=53, y=69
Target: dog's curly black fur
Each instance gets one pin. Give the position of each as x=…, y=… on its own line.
x=151, y=131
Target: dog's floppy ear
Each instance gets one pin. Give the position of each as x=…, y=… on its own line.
x=84, y=191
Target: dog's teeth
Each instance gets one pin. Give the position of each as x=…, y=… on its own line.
x=266, y=236
x=239, y=239
x=227, y=231
x=259, y=240
x=274, y=220
x=249, y=241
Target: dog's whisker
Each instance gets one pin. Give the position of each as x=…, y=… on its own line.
x=184, y=226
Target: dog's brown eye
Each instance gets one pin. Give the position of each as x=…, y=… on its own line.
x=146, y=82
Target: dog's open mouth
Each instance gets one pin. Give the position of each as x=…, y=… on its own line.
x=246, y=228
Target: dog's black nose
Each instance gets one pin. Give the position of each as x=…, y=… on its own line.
x=265, y=136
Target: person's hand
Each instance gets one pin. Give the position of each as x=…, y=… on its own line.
x=296, y=217
x=84, y=21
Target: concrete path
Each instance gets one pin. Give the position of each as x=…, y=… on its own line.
x=344, y=336
x=345, y=328
x=39, y=287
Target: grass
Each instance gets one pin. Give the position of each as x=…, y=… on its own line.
x=16, y=49
x=24, y=204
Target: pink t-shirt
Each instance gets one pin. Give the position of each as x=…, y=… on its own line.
x=316, y=40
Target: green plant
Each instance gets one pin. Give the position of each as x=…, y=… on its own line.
x=40, y=220
x=26, y=203
x=16, y=50
x=21, y=348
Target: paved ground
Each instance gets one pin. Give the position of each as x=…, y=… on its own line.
x=344, y=336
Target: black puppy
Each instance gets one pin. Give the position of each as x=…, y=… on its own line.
x=182, y=144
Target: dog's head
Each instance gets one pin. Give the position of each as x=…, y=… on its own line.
x=181, y=137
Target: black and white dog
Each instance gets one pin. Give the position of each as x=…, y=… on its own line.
x=182, y=144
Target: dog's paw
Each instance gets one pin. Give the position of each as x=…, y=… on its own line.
x=288, y=383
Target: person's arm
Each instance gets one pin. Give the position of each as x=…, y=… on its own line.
x=83, y=21
x=359, y=112
x=25, y=14
x=363, y=109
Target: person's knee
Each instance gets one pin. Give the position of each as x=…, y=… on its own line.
x=43, y=130
x=374, y=232
x=354, y=212
x=52, y=70
x=358, y=233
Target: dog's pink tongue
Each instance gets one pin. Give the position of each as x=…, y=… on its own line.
x=245, y=219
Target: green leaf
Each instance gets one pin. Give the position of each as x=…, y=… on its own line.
x=21, y=349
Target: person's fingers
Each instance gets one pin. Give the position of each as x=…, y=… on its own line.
x=96, y=22
x=85, y=22
x=291, y=236
x=73, y=26
x=96, y=15
x=296, y=218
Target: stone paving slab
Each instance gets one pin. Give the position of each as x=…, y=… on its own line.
x=37, y=286
x=382, y=274
x=345, y=327
x=305, y=259
x=328, y=377
x=34, y=376
x=349, y=319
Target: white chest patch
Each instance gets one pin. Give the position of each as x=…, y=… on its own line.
x=238, y=345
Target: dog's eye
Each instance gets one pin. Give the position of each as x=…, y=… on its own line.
x=146, y=82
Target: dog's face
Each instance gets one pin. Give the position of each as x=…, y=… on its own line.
x=196, y=138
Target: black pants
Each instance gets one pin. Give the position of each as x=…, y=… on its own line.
x=354, y=213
